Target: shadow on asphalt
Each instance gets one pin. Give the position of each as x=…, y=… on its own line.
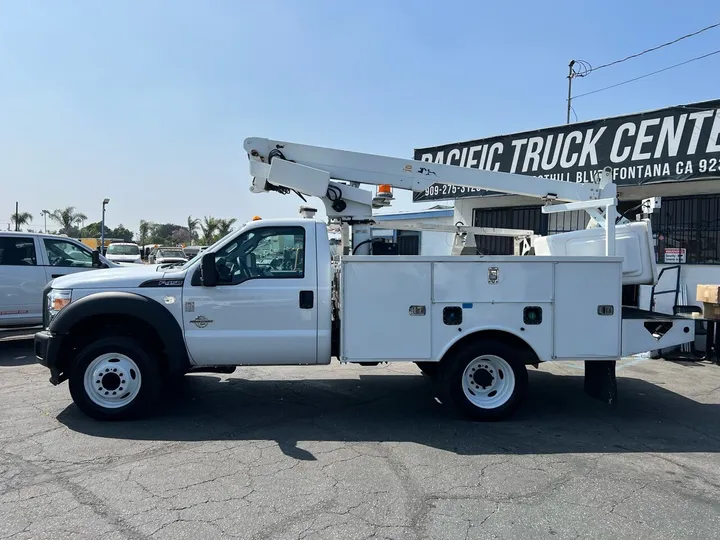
x=557, y=417
x=16, y=352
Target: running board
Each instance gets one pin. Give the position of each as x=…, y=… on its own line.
x=644, y=331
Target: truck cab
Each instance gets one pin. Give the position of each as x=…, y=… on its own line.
x=260, y=296
x=272, y=295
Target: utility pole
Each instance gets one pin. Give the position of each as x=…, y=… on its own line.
x=17, y=216
x=569, y=98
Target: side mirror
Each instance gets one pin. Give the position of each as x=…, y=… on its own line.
x=208, y=270
x=95, y=257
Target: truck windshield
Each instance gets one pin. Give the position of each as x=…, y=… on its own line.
x=115, y=249
x=171, y=253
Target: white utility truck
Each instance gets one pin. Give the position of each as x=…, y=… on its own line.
x=268, y=295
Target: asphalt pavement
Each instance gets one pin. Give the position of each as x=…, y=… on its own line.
x=363, y=452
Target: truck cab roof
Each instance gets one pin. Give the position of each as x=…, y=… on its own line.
x=281, y=221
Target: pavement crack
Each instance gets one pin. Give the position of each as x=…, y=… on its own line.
x=491, y=514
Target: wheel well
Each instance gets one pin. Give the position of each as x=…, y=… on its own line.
x=528, y=354
x=90, y=328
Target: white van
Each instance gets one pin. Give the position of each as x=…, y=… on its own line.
x=123, y=252
x=28, y=261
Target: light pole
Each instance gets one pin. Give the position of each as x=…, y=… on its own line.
x=44, y=213
x=102, y=227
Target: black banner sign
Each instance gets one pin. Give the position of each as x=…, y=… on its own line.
x=666, y=145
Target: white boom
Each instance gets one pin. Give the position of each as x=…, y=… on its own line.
x=314, y=171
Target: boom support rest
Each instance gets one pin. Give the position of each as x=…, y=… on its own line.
x=600, y=380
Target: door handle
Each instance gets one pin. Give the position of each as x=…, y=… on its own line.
x=306, y=299
x=57, y=275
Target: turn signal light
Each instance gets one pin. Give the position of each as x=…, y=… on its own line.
x=59, y=303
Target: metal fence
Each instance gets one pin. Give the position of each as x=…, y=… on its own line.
x=688, y=229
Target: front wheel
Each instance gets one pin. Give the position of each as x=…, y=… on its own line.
x=114, y=378
x=486, y=380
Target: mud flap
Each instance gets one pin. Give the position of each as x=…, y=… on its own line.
x=600, y=380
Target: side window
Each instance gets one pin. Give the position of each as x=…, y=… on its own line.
x=17, y=251
x=269, y=253
x=63, y=253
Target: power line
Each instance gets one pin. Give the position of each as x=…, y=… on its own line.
x=651, y=49
x=573, y=111
x=647, y=74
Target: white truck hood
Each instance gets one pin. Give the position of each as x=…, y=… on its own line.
x=126, y=276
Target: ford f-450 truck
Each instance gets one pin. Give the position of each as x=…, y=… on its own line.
x=269, y=295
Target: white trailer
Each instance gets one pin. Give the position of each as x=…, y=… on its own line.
x=268, y=295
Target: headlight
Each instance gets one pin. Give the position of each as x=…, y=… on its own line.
x=57, y=299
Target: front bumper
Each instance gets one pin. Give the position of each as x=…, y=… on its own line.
x=47, y=352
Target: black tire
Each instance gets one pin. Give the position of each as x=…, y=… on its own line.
x=453, y=372
x=429, y=369
x=149, y=377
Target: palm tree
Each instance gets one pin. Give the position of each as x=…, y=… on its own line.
x=224, y=226
x=20, y=219
x=143, y=230
x=67, y=218
x=192, y=225
x=209, y=227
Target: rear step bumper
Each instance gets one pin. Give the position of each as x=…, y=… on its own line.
x=644, y=331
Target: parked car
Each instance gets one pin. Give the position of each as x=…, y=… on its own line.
x=164, y=254
x=193, y=251
x=28, y=261
x=127, y=252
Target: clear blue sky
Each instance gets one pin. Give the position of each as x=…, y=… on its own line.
x=148, y=103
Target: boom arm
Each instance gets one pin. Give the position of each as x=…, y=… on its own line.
x=404, y=173
x=312, y=170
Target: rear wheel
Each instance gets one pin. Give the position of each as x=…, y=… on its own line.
x=486, y=380
x=115, y=378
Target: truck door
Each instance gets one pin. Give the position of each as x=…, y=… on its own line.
x=264, y=308
x=64, y=257
x=21, y=281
